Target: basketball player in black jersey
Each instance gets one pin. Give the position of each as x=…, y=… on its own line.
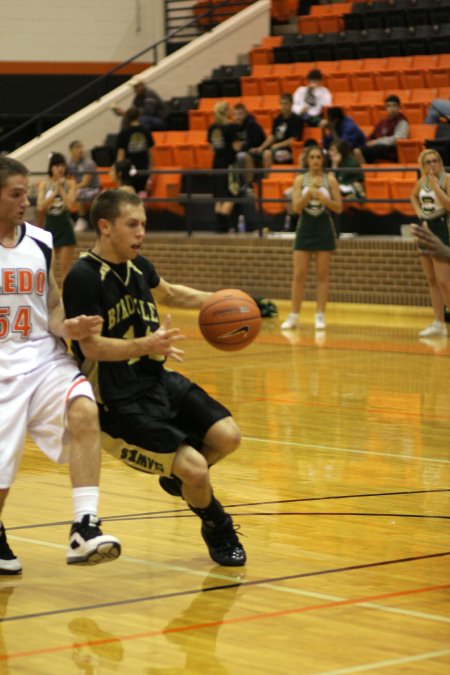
x=152, y=418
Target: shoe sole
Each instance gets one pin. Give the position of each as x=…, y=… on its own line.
x=10, y=573
x=105, y=552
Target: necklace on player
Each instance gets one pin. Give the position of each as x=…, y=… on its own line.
x=10, y=242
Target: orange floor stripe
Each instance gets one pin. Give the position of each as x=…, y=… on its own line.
x=251, y=617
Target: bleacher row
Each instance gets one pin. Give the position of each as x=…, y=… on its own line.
x=358, y=85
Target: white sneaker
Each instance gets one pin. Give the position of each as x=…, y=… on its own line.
x=290, y=322
x=9, y=563
x=436, y=329
x=88, y=545
x=81, y=225
x=319, y=322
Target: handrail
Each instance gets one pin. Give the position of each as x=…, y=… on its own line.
x=100, y=78
x=187, y=198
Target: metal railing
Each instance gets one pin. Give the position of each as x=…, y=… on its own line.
x=188, y=198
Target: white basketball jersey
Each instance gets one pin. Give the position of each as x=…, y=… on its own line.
x=25, y=340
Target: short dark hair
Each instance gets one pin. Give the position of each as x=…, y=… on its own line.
x=131, y=115
x=11, y=167
x=240, y=106
x=392, y=98
x=335, y=113
x=74, y=143
x=286, y=96
x=56, y=158
x=109, y=203
x=314, y=74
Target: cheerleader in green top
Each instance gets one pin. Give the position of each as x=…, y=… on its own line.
x=431, y=201
x=315, y=194
x=56, y=196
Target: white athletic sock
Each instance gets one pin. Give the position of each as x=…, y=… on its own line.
x=85, y=500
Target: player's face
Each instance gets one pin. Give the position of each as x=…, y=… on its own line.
x=315, y=159
x=13, y=201
x=127, y=233
x=432, y=164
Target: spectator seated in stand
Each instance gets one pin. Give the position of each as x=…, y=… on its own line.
x=347, y=170
x=439, y=108
x=152, y=109
x=381, y=142
x=340, y=127
x=249, y=137
x=84, y=171
x=287, y=127
x=309, y=100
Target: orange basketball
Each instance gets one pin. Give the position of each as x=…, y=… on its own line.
x=229, y=320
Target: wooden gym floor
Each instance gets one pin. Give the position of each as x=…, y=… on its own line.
x=341, y=490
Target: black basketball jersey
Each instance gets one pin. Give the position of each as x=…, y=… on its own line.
x=121, y=294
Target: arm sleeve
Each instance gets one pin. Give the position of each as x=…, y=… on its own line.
x=298, y=100
x=82, y=292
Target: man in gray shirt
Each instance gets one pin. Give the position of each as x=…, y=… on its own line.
x=84, y=170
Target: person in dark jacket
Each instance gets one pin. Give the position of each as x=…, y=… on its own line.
x=340, y=127
x=249, y=136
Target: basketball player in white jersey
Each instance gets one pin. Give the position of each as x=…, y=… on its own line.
x=42, y=392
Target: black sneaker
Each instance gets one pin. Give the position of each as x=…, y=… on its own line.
x=88, y=545
x=171, y=485
x=9, y=563
x=223, y=544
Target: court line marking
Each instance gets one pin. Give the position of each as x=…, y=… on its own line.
x=232, y=621
x=330, y=448
x=240, y=583
x=388, y=662
x=174, y=512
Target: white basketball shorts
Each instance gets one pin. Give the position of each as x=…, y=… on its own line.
x=36, y=404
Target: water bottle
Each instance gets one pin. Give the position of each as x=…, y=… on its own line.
x=241, y=223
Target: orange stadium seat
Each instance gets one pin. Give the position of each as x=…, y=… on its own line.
x=105, y=179
x=424, y=61
x=251, y=85
x=340, y=82
x=401, y=188
x=261, y=55
x=200, y=119
x=352, y=65
x=271, y=189
x=308, y=25
x=363, y=81
x=345, y=98
x=270, y=85
x=388, y=79
x=423, y=132
x=378, y=188
x=414, y=111
x=167, y=185
x=413, y=78
x=162, y=155
x=438, y=77
x=184, y=155
x=289, y=83
x=361, y=114
x=203, y=156
x=398, y=63
x=409, y=149
x=333, y=23
x=263, y=69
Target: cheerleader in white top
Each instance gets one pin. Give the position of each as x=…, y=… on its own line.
x=431, y=201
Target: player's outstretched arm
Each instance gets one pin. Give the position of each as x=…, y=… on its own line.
x=156, y=345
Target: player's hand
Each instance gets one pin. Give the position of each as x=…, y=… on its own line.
x=428, y=243
x=81, y=327
x=163, y=339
